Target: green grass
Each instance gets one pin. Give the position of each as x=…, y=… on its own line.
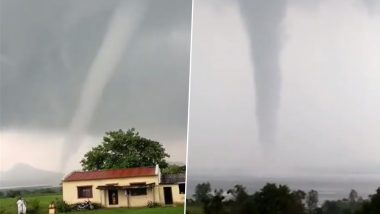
x=194, y=209
x=158, y=210
x=8, y=206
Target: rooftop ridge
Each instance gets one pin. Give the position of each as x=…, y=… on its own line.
x=111, y=173
x=101, y=170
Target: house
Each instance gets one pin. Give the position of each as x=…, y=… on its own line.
x=131, y=187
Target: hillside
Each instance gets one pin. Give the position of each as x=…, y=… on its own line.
x=22, y=175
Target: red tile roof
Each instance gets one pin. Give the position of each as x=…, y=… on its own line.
x=110, y=174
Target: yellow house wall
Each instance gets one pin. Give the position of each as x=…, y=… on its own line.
x=177, y=197
x=141, y=200
x=70, y=192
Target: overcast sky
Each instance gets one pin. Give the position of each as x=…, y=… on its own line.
x=47, y=51
x=327, y=96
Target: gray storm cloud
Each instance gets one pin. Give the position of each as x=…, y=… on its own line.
x=263, y=20
x=121, y=28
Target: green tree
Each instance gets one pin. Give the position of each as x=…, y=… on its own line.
x=273, y=199
x=202, y=192
x=239, y=193
x=123, y=150
x=215, y=204
x=174, y=169
x=312, y=201
x=353, y=196
x=242, y=201
x=373, y=205
x=331, y=207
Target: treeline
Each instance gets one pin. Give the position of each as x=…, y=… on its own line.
x=12, y=193
x=276, y=199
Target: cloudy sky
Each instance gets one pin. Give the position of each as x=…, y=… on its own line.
x=49, y=50
x=285, y=88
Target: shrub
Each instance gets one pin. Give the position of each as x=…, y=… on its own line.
x=33, y=206
x=62, y=206
x=96, y=205
x=152, y=204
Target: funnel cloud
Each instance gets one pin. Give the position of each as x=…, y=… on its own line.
x=263, y=20
x=121, y=27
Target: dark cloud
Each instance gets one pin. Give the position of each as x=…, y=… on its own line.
x=47, y=48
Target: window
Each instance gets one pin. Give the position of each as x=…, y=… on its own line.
x=85, y=192
x=138, y=191
x=181, y=188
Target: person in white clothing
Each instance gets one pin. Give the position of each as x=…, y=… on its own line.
x=21, y=206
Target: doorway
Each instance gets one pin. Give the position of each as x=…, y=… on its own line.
x=113, y=197
x=168, y=195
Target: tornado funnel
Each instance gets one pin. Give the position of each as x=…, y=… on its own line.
x=263, y=21
x=121, y=28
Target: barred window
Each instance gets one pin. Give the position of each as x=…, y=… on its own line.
x=85, y=192
x=138, y=191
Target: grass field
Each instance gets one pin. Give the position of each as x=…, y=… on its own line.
x=8, y=206
x=194, y=209
x=159, y=210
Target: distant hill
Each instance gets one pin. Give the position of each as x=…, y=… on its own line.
x=24, y=175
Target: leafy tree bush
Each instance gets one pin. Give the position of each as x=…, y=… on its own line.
x=96, y=205
x=152, y=204
x=215, y=204
x=330, y=207
x=174, y=169
x=62, y=206
x=202, y=193
x=274, y=199
x=242, y=202
x=271, y=199
x=353, y=196
x=312, y=201
x=124, y=150
x=33, y=206
x=372, y=206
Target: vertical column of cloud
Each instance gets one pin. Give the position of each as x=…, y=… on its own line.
x=263, y=22
x=121, y=28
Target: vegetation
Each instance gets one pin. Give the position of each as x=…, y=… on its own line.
x=124, y=150
x=312, y=201
x=35, y=204
x=371, y=206
x=152, y=204
x=158, y=210
x=13, y=193
x=62, y=206
x=8, y=206
x=174, y=169
x=275, y=199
